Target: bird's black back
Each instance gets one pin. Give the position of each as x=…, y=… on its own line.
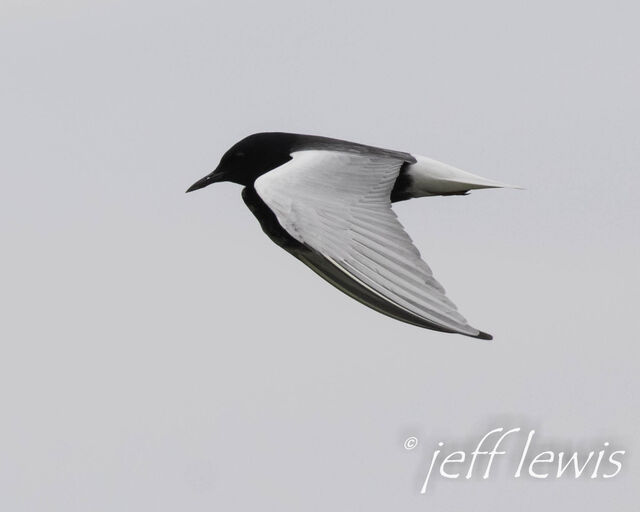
x=259, y=153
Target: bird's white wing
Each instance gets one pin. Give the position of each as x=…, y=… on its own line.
x=338, y=204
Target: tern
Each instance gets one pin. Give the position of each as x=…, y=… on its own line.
x=328, y=203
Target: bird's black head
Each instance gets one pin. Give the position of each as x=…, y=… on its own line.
x=250, y=158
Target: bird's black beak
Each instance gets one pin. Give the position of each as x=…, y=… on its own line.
x=214, y=177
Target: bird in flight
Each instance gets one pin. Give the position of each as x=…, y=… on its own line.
x=328, y=203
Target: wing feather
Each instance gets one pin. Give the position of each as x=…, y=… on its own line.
x=338, y=203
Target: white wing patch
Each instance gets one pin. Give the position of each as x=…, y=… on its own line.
x=338, y=204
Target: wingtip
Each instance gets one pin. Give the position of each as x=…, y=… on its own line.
x=484, y=336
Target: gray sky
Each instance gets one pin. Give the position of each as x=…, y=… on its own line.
x=160, y=353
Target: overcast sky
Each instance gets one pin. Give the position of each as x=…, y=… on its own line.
x=160, y=353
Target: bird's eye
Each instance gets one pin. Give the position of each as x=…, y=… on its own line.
x=240, y=154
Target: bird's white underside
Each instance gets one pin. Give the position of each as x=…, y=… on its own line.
x=339, y=204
